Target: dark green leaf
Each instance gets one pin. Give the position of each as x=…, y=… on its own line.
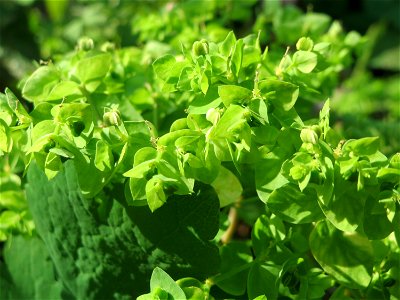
x=236, y=260
x=262, y=281
x=30, y=271
x=83, y=245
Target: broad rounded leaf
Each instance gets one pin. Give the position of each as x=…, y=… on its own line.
x=294, y=206
x=236, y=260
x=93, y=67
x=282, y=94
x=347, y=256
x=262, y=281
x=233, y=94
x=305, y=61
x=227, y=186
x=39, y=85
x=159, y=278
x=163, y=65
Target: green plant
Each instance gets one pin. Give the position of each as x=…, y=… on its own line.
x=133, y=165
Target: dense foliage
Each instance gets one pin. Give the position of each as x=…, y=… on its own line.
x=129, y=167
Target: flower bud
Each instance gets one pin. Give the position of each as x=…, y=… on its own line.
x=317, y=129
x=112, y=118
x=85, y=44
x=308, y=135
x=305, y=44
x=200, y=48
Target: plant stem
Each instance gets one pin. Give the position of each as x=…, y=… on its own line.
x=227, y=275
x=234, y=221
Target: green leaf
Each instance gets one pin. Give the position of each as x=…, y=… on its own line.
x=282, y=94
x=193, y=288
x=9, y=219
x=236, y=260
x=226, y=47
x=64, y=89
x=169, y=139
x=83, y=244
x=183, y=227
x=163, y=65
x=268, y=173
x=155, y=193
x=305, y=61
x=233, y=94
x=202, y=103
x=237, y=57
x=227, y=186
x=41, y=112
x=363, y=146
x=266, y=232
x=5, y=137
x=93, y=67
x=232, y=116
x=345, y=208
x=12, y=199
x=30, y=271
x=376, y=224
x=315, y=284
x=52, y=165
x=204, y=83
x=348, y=257
x=17, y=107
x=103, y=159
x=73, y=112
x=141, y=170
x=39, y=85
x=294, y=206
x=159, y=278
x=259, y=110
x=262, y=280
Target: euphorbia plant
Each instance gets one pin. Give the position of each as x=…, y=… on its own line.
x=129, y=165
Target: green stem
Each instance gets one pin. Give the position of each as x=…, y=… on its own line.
x=221, y=277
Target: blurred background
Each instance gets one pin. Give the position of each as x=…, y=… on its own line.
x=365, y=104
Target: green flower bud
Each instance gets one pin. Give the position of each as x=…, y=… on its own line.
x=308, y=135
x=305, y=44
x=85, y=44
x=317, y=130
x=112, y=118
x=200, y=48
